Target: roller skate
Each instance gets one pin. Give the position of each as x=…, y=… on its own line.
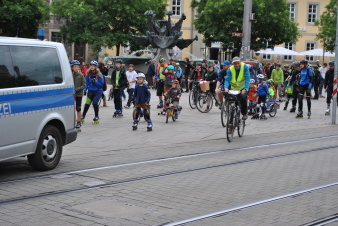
x=149, y=126
x=293, y=109
x=78, y=126
x=96, y=120
x=162, y=112
x=309, y=114
x=82, y=119
x=255, y=116
x=135, y=125
x=160, y=105
x=327, y=111
x=117, y=114
x=262, y=117
x=299, y=114
x=250, y=112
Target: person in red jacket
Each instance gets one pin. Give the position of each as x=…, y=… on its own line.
x=84, y=69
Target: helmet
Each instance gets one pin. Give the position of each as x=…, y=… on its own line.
x=271, y=80
x=140, y=75
x=236, y=59
x=278, y=65
x=268, y=82
x=260, y=76
x=226, y=62
x=170, y=67
x=94, y=63
x=331, y=63
x=118, y=61
x=252, y=80
x=303, y=62
x=162, y=60
x=286, y=65
x=175, y=81
x=177, y=64
x=296, y=64
x=74, y=62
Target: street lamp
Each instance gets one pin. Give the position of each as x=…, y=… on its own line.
x=324, y=39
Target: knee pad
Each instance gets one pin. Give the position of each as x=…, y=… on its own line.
x=78, y=109
x=136, y=113
x=146, y=114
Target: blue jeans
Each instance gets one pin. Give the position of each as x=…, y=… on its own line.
x=130, y=96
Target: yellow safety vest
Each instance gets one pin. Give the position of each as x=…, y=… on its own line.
x=238, y=84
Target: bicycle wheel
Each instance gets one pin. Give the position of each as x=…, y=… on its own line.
x=167, y=114
x=172, y=112
x=224, y=112
x=240, y=124
x=192, y=99
x=230, y=124
x=204, y=102
x=273, y=111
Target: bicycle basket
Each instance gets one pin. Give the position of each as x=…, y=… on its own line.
x=205, y=86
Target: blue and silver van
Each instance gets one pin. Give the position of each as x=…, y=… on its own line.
x=37, y=114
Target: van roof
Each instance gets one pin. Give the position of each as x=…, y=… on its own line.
x=4, y=39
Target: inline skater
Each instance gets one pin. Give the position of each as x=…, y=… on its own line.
x=305, y=85
x=328, y=86
x=294, y=80
x=94, y=86
x=141, y=100
x=79, y=85
x=238, y=78
x=119, y=82
x=159, y=78
x=262, y=92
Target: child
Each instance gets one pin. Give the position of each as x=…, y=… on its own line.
x=169, y=77
x=119, y=82
x=94, y=85
x=271, y=96
x=262, y=91
x=141, y=100
x=252, y=97
x=175, y=93
x=289, y=92
x=131, y=77
x=79, y=85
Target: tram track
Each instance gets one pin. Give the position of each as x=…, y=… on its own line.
x=165, y=159
x=153, y=176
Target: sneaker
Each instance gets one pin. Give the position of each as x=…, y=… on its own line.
x=245, y=117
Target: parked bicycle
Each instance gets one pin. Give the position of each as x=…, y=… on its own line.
x=234, y=120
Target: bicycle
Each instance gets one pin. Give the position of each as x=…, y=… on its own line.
x=233, y=107
x=193, y=95
x=205, y=101
x=170, y=110
x=273, y=109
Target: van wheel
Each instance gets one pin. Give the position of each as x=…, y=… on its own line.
x=48, y=150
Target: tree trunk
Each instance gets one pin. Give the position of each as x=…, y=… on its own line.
x=117, y=50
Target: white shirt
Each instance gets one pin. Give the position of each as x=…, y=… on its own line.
x=322, y=71
x=131, y=76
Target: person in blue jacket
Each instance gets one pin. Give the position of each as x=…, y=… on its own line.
x=262, y=92
x=305, y=85
x=141, y=100
x=94, y=87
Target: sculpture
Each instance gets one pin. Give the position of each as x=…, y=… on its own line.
x=164, y=36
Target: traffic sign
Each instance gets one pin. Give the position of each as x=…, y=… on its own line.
x=237, y=34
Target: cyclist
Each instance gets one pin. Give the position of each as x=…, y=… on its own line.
x=238, y=78
x=79, y=85
x=94, y=86
x=211, y=76
x=305, y=85
x=175, y=93
x=221, y=78
x=328, y=85
x=198, y=74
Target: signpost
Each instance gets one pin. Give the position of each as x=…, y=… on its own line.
x=237, y=34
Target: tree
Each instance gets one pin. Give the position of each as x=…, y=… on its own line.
x=218, y=19
x=327, y=26
x=104, y=23
x=22, y=17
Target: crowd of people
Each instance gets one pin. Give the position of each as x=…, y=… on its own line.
x=260, y=85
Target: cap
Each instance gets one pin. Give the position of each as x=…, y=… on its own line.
x=226, y=62
x=236, y=59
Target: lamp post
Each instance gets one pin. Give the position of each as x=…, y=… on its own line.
x=324, y=39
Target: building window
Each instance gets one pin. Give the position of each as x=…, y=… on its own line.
x=292, y=11
x=310, y=46
x=290, y=47
x=176, y=7
x=312, y=13
x=266, y=56
x=56, y=37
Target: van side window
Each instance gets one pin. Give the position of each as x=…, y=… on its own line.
x=36, y=66
x=7, y=74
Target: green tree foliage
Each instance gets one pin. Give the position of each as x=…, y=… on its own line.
x=104, y=23
x=22, y=17
x=327, y=25
x=218, y=19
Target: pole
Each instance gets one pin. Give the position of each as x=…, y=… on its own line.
x=323, y=49
x=246, y=29
x=334, y=99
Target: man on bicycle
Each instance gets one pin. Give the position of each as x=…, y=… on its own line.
x=238, y=78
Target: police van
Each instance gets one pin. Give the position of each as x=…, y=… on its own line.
x=37, y=114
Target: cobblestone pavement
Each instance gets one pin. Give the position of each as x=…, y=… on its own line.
x=179, y=171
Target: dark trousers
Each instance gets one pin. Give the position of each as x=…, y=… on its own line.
x=244, y=104
x=294, y=96
x=304, y=89
x=187, y=83
x=117, y=99
x=150, y=80
x=316, y=89
x=130, y=96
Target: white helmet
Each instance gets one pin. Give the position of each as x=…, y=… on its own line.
x=252, y=80
x=260, y=76
x=140, y=75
